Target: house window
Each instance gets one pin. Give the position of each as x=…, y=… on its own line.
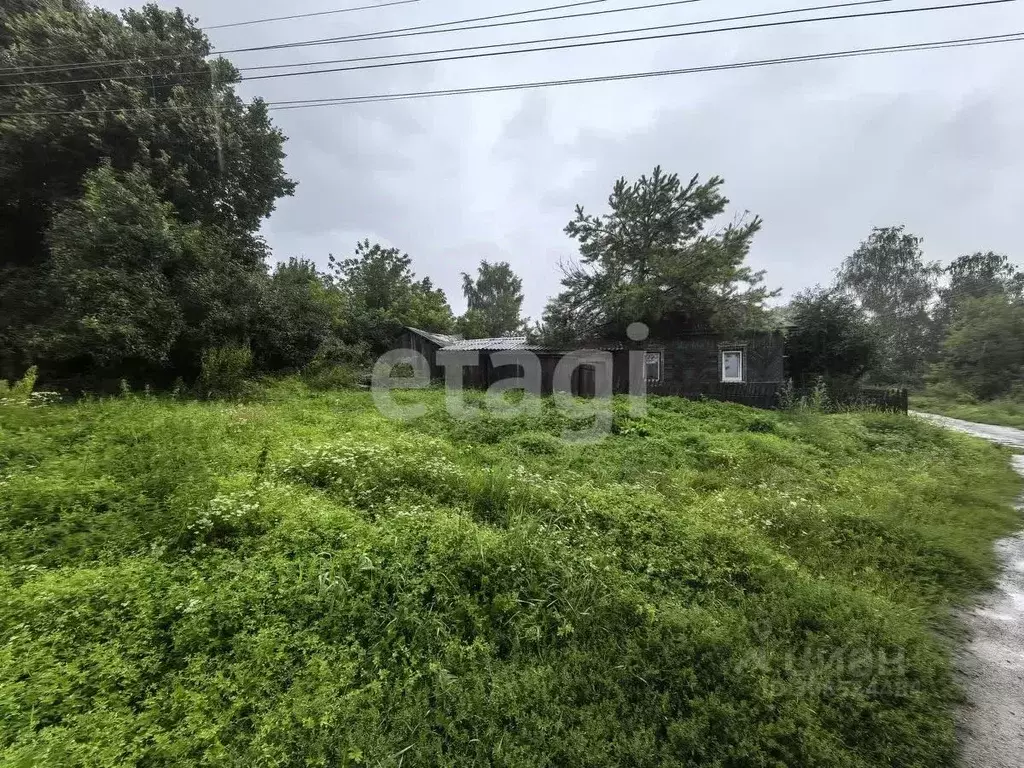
x=732, y=366
x=653, y=366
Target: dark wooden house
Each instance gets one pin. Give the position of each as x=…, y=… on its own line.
x=746, y=368
x=427, y=344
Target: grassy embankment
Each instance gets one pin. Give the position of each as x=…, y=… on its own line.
x=1004, y=412
x=302, y=582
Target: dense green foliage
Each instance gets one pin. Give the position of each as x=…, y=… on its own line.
x=494, y=302
x=828, y=337
x=130, y=207
x=980, y=318
x=306, y=318
x=984, y=351
x=130, y=210
x=976, y=276
x=298, y=581
x=654, y=258
x=889, y=278
x=381, y=295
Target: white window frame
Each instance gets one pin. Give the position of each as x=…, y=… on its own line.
x=661, y=365
x=743, y=366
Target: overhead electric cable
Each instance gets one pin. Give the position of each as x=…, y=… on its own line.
x=463, y=55
x=304, y=103
x=425, y=29
x=313, y=14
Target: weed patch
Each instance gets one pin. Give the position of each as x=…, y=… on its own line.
x=297, y=581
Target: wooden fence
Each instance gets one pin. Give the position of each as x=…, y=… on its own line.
x=771, y=396
x=871, y=399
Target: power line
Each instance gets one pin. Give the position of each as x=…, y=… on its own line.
x=433, y=29
x=53, y=48
x=1013, y=37
x=645, y=38
x=462, y=55
x=310, y=15
x=388, y=34
x=376, y=98
x=563, y=38
x=359, y=36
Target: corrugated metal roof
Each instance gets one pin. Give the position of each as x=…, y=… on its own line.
x=507, y=344
x=441, y=339
x=501, y=344
x=521, y=344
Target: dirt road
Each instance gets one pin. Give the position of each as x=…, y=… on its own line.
x=992, y=725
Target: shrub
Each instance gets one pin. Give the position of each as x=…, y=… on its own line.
x=20, y=392
x=331, y=377
x=761, y=425
x=336, y=366
x=538, y=443
x=225, y=371
x=787, y=396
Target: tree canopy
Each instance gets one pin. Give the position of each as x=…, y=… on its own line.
x=382, y=295
x=828, y=336
x=655, y=256
x=889, y=278
x=171, y=122
x=304, y=318
x=984, y=351
x=975, y=276
x=494, y=301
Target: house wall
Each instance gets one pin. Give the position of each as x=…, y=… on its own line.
x=427, y=348
x=690, y=364
x=693, y=362
x=486, y=374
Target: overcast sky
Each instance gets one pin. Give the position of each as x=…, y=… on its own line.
x=822, y=151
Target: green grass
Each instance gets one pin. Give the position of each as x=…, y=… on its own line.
x=301, y=582
x=1003, y=412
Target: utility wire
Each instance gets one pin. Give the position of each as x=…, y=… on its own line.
x=1013, y=37
x=310, y=15
x=461, y=54
x=433, y=29
x=53, y=48
x=1010, y=37
x=644, y=38
x=358, y=59
x=387, y=34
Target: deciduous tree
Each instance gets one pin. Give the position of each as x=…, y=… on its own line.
x=382, y=295
x=149, y=100
x=302, y=316
x=828, y=336
x=110, y=257
x=889, y=278
x=984, y=352
x=495, y=301
x=976, y=276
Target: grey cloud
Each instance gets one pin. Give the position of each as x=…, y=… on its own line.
x=822, y=151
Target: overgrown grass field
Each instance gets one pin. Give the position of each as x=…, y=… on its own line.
x=1005, y=412
x=302, y=582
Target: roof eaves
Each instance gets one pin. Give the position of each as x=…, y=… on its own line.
x=441, y=339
